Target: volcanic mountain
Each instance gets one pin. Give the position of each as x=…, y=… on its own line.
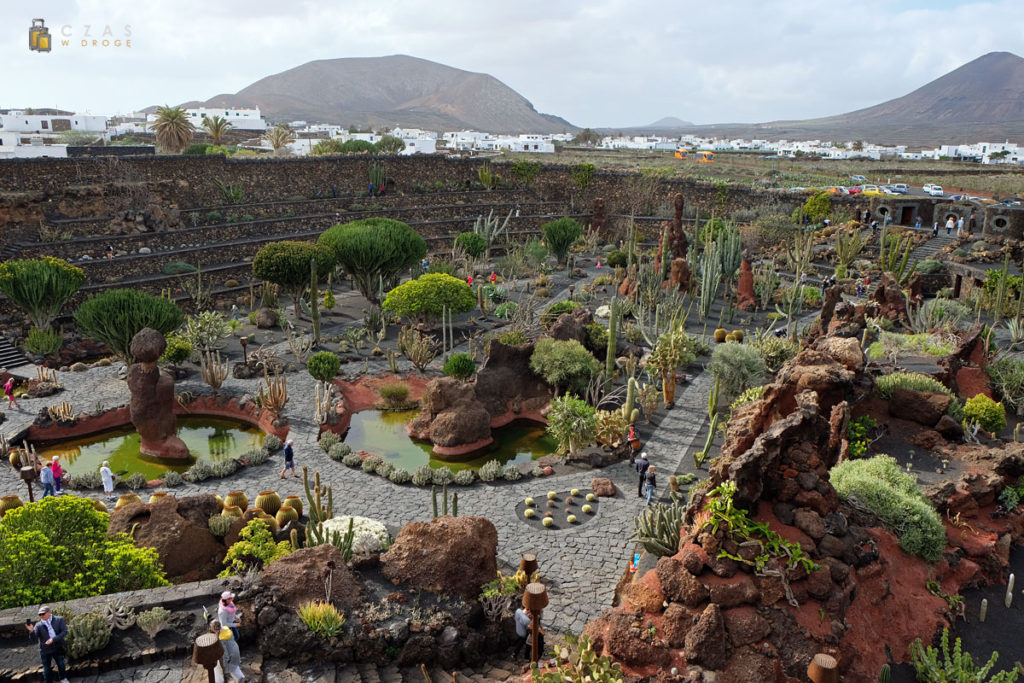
x=391, y=91
x=981, y=100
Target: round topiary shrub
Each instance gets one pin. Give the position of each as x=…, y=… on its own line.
x=328, y=440
x=617, y=259
x=399, y=476
x=465, y=477
x=443, y=475
x=424, y=298
x=370, y=463
x=460, y=366
x=490, y=470
x=987, y=413
x=511, y=472
x=384, y=469
x=323, y=366
x=423, y=476
x=352, y=460
x=339, y=452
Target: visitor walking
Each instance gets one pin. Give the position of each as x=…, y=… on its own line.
x=650, y=483
x=50, y=632
x=231, y=662
x=641, y=467
x=917, y=223
x=935, y=229
x=289, y=459
x=959, y=226
x=950, y=224
x=46, y=478
x=57, y=473
x=227, y=612
x=9, y=393
x=108, y=480
x=523, y=620
x=633, y=438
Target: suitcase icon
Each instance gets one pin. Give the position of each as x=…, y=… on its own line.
x=39, y=36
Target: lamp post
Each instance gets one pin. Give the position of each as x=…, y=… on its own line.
x=535, y=599
x=823, y=669
x=28, y=475
x=528, y=563
x=206, y=652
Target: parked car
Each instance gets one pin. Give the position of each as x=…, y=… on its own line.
x=871, y=190
x=935, y=191
x=859, y=179
x=900, y=188
x=1011, y=202
x=855, y=189
x=958, y=197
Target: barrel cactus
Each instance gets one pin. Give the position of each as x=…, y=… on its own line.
x=157, y=495
x=9, y=503
x=269, y=502
x=127, y=499
x=285, y=514
x=295, y=503
x=232, y=511
x=236, y=498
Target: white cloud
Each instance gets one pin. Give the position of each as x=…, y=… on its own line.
x=601, y=62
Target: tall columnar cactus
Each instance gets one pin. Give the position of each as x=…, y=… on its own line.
x=613, y=332
x=666, y=252
x=630, y=244
x=885, y=675
x=627, y=407
x=378, y=175
x=731, y=247
x=710, y=277
x=314, y=304
x=319, y=512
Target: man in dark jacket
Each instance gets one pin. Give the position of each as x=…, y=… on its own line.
x=641, y=466
x=50, y=632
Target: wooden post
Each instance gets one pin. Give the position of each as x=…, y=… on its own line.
x=206, y=652
x=28, y=474
x=535, y=599
x=823, y=669
x=528, y=563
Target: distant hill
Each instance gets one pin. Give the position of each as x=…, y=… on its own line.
x=668, y=122
x=982, y=100
x=392, y=91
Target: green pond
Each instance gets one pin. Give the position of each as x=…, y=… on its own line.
x=209, y=439
x=383, y=433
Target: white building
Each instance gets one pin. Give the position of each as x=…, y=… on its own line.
x=11, y=147
x=240, y=119
x=20, y=122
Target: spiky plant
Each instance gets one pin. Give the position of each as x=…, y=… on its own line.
x=173, y=129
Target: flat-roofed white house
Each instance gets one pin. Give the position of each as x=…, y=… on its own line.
x=19, y=122
x=247, y=118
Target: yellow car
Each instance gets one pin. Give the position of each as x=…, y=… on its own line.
x=871, y=191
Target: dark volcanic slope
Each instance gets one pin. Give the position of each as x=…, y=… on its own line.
x=392, y=91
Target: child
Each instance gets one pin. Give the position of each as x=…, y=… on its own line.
x=9, y=393
x=57, y=473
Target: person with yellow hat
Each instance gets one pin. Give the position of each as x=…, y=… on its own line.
x=231, y=663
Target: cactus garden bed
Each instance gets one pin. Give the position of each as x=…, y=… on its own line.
x=558, y=510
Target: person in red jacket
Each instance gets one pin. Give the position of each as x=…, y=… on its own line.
x=58, y=472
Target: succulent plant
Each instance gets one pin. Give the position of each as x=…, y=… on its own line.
x=127, y=499
x=232, y=511
x=219, y=525
x=236, y=498
x=530, y=513
x=548, y=522
x=571, y=519
x=574, y=492
x=269, y=502
x=552, y=495
x=285, y=514
x=529, y=502
x=152, y=621
x=294, y=502
x=87, y=633
x=118, y=614
x=587, y=509
x=591, y=497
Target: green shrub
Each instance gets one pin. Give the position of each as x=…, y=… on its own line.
x=339, y=452
x=877, y=485
x=941, y=665
x=136, y=481
x=495, y=293
x=58, y=549
x=424, y=298
x=564, y=364
x=374, y=250
x=490, y=470
x=43, y=342
x=254, y=457
x=737, y=367
x=383, y=469
x=286, y=264
x=572, y=422
x=748, y=396
x=917, y=382
x=180, y=267
x=460, y=366
x=989, y=414
x=617, y=259
x=39, y=288
x=178, y=350
x=596, y=339
x=1006, y=376
x=224, y=468
x=352, y=460
x=322, y=618
x=87, y=633
x=327, y=440
x=511, y=472
x=399, y=476
x=370, y=463
x=552, y=312
x=512, y=338
x=505, y=310
x=423, y=476
x=197, y=473
x=442, y=475
x=272, y=443
x=465, y=477
x=944, y=311
x=172, y=479
x=323, y=366
x=116, y=315
x=930, y=266
x=196, y=148
x=559, y=235
x=442, y=267
x=394, y=393
x=254, y=550
x=205, y=330
x=775, y=351
x=473, y=244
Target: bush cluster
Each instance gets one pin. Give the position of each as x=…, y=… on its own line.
x=737, y=367
x=564, y=364
x=989, y=414
x=460, y=366
x=877, y=485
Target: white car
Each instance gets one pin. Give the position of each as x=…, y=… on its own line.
x=935, y=190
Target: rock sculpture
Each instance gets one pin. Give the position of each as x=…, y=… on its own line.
x=152, y=404
x=677, y=236
x=745, y=298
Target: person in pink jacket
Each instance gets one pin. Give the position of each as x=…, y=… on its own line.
x=58, y=472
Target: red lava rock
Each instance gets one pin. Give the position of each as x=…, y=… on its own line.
x=971, y=382
x=975, y=543
x=693, y=558
x=745, y=626
x=928, y=439
x=676, y=622
x=548, y=471
x=602, y=487
x=745, y=297
x=645, y=596
x=747, y=666
x=732, y=592
x=819, y=583
x=809, y=522
x=949, y=428
x=297, y=578
x=815, y=501
x=923, y=407
x=706, y=642
x=678, y=584
x=622, y=642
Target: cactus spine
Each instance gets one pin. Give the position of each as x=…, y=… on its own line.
x=609, y=361
x=627, y=407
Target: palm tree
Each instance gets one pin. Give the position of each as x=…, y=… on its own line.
x=216, y=126
x=173, y=129
x=279, y=136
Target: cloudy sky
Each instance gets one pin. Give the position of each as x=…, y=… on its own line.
x=596, y=63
